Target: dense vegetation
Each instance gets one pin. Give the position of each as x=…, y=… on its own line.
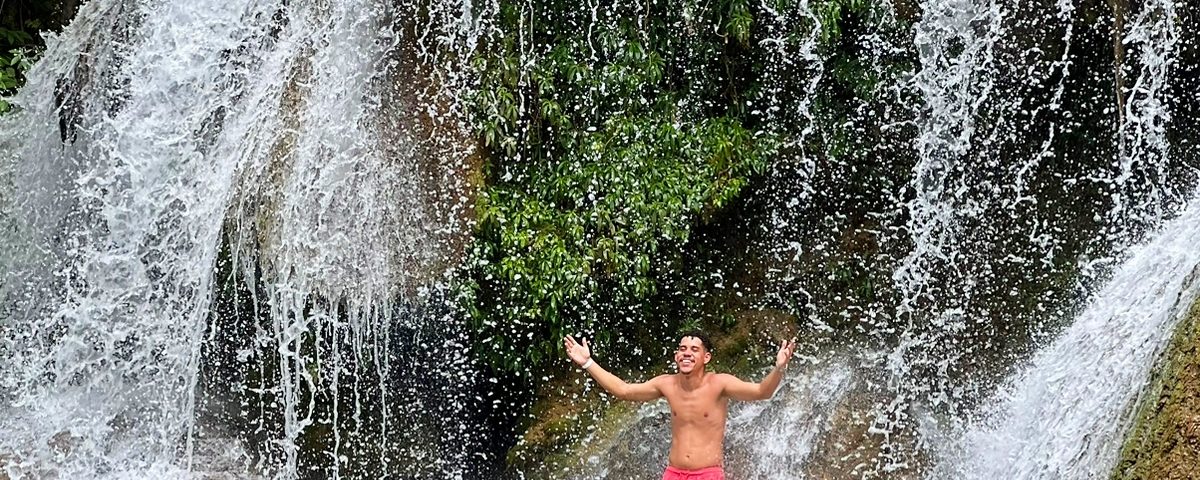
x=613, y=136
x=21, y=25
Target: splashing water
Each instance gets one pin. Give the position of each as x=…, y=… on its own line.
x=977, y=221
x=1063, y=417
x=955, y=42
x=153, y=133
x=1140, y=184
x=777, y=439
x=939, y=277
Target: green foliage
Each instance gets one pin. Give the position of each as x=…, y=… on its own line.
x=13, y=65
x=548, y=259
x=15, y=37
x=613, y=134
x=598, y=176
x=16, y=57
x=739, y=22
x=833, y=14
x=20, y=46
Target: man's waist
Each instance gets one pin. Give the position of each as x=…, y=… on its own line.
x=714, y=472
x=693, y=471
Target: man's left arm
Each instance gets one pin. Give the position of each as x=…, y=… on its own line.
x=738, y=389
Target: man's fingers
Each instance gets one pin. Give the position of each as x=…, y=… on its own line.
x=572, y=343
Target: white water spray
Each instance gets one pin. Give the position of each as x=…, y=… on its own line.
x=1065, y=415
x=1139, y=186
x=955, y=41
x=149, y=129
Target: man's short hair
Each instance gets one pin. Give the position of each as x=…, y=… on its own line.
x=703, y=339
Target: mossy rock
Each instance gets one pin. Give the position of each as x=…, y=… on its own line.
x=1164, y=443
x=750, y=343
x=568, y=422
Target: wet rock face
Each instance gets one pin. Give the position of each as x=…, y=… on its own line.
x=423, y=129
x=1165, y=440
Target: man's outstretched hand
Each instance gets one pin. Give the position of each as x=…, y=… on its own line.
x=785, y=353
x=578, y=353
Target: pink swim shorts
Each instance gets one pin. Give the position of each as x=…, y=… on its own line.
x=710, y=473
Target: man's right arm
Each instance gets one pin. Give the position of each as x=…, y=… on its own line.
x=581, y=354
x=638, y=392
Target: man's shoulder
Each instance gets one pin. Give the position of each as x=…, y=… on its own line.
x=724, y=377
x=662, y=379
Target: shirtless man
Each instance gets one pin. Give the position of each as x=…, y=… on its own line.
x=699, y=401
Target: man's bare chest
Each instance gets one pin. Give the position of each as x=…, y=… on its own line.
x=697, y=407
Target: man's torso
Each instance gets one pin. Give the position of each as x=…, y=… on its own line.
x=697, y=422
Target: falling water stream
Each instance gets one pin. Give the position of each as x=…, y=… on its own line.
x=1063, y=416
x=160, y=142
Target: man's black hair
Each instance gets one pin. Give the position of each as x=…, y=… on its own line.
x=703, y=339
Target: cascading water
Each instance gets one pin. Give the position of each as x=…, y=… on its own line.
x=1063, y=416
x=956, y=194
x=104, y=355
x=954, y=40
x=153, y=133
x=1140, y=182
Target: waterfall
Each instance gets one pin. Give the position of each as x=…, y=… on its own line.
x=953, y=84
x=777, y=439
x=992, y=211
x=1140, y=183
x=1065, y=414
x=964, y=187
x=955, y=41
x=1063, y=417
x=229, y=232
x=286, y=144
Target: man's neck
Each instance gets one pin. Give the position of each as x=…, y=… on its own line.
x=692, y=380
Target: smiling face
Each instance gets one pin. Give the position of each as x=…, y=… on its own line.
x=691, y=354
